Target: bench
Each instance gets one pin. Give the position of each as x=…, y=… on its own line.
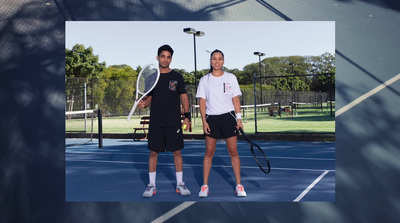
x=144, y=121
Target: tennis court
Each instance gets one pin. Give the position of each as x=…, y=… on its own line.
x=300, y=171
x=367, y=118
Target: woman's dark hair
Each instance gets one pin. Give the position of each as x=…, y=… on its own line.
x=165, y=48
x=212, y=53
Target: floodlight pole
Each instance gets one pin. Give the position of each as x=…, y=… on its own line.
x=85, y=104
x=259, y=54
x=195, y=63
x=198, y=34
x=255, y=102
x=294, y=81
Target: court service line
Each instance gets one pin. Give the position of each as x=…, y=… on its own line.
x=367, y=95
x=199, y=155
x=310, y=187
x=189, y=165
x=173, y=212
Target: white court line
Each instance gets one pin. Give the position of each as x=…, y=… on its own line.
x=367, y=95
x=173, y=212
x=310, y=187
x=200, y=155
x=185, y=165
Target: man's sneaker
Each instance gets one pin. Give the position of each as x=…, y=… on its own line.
x=150, y=190
x=182, y=189
x=204, y=191
x=240, y=191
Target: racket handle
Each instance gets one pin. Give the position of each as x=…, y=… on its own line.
x=131, y=112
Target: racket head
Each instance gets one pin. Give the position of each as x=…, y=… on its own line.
x=147, y=79
x=260, y=157
x=258, y=154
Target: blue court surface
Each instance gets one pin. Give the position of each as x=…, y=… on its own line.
x=300, y=171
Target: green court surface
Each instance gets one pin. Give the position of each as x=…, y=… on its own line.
x=300, y=123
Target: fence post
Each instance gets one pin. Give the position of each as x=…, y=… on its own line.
x=255, y=103
x=100, y=128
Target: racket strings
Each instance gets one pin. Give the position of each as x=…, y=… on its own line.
x=147, y=79
x=260, y=156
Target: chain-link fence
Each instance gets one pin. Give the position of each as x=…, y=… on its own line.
x=297, y=110
x=294, y=111
x=114, y=96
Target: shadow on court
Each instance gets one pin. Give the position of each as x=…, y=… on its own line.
x=119, y=172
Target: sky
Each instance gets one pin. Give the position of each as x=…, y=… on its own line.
x=135, y=43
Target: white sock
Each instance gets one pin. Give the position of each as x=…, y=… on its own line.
x=179, y=176
x=152, y=177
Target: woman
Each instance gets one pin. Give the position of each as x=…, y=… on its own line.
x=218, y=94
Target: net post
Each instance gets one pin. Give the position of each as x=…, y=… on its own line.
x=84, y=106
x=100, y=126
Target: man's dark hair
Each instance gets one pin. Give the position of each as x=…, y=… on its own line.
x=165, y=48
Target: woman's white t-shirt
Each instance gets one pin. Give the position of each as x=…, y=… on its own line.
x=218, y=92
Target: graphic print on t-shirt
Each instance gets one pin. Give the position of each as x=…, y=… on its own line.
x=172, y=85
x=227, y=88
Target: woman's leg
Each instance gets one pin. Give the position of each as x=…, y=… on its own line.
x=208, y=156
x=235, y=160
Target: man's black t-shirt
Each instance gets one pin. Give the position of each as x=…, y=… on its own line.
x=165, y=107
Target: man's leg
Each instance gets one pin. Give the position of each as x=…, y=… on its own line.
x=178, y=161
x=180, y=185
x=151, y=187
x=153, y=160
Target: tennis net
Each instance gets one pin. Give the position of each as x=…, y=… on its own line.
x=80, y=126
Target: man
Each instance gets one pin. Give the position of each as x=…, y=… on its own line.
x=165, y=130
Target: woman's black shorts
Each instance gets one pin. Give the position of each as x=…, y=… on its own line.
x=222, y=126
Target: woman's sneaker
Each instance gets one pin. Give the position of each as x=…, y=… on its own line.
x=204, y=191
x=182, y=189
x=150, y=190
x=240, y=191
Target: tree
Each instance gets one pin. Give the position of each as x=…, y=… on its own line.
x=116, y=89
x=81, y=62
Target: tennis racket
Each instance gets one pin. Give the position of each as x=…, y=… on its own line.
x=146, y=81
x=258, y=154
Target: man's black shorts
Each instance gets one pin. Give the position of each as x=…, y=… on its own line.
x=222, y=126
x=163, y=139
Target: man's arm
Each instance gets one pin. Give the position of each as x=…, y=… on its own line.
x=185, y=105
x=144, y=103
